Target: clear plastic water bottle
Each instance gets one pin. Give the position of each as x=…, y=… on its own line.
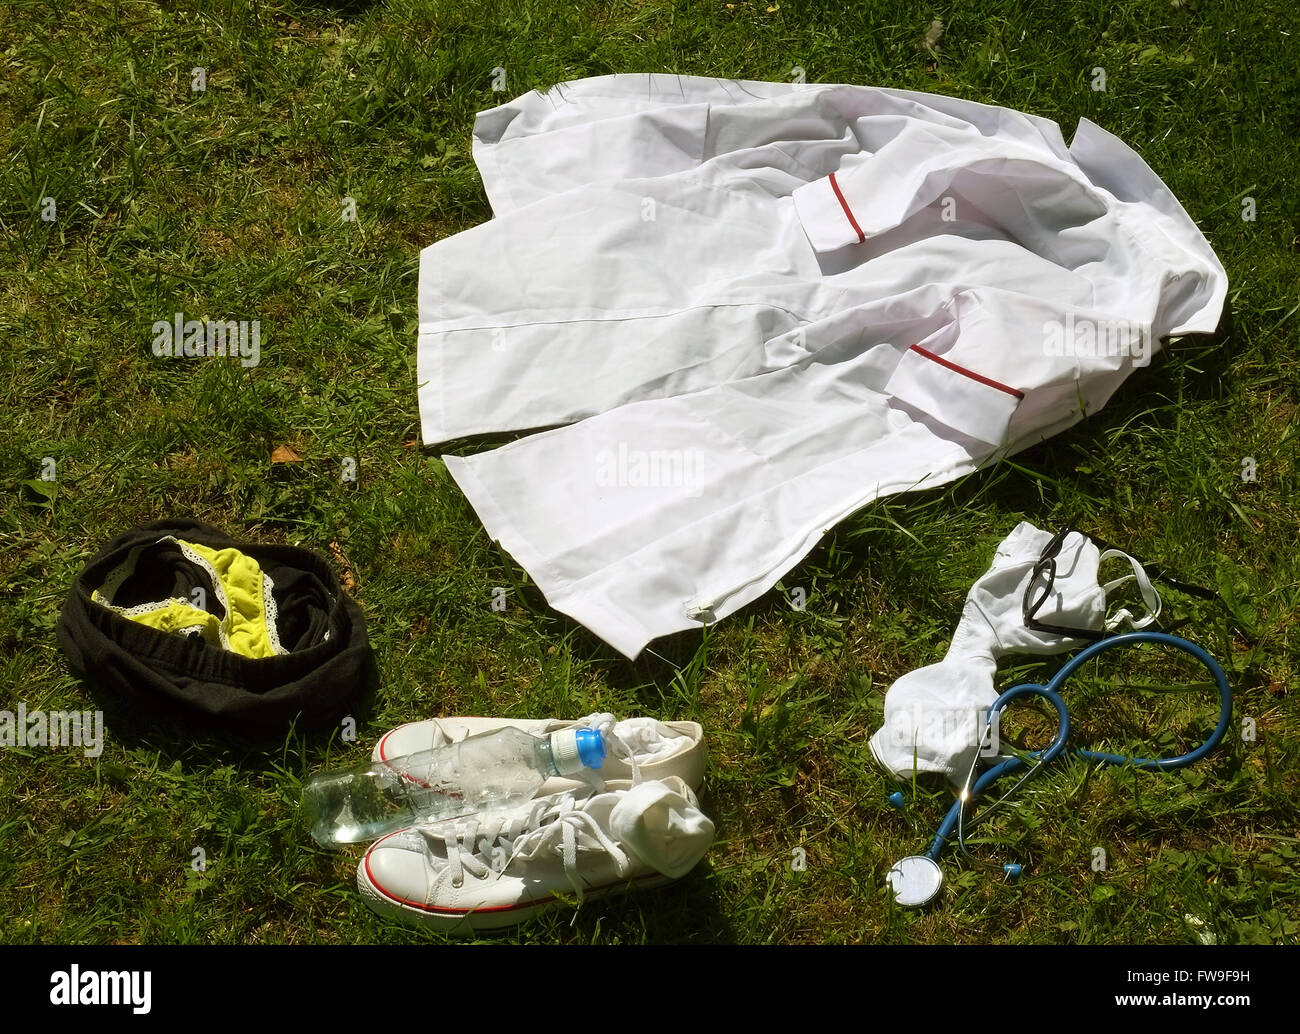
x=489, y=771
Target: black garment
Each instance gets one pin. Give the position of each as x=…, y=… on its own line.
x=321, y=627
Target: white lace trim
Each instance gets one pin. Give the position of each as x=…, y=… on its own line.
x=271, y=613
x=105, y=593
x=145, y=608
x=223, y=625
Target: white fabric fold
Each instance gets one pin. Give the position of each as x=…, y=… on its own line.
x=670, y=278
x=934, y=715
x=662, y=827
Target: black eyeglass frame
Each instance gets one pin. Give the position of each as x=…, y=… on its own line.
x=1029, y=609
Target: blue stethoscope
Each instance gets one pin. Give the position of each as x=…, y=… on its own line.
x=917, y=878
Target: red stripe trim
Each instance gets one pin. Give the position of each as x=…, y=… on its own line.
x=437, y=910
x=847, y=210
x=383, y=756
x=969, y=373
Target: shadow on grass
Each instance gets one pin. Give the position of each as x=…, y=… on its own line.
x=351, y=9
x=180, y=736
x=877, y=542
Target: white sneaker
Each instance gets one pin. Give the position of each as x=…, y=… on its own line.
x=496, y=870
x=659, y=749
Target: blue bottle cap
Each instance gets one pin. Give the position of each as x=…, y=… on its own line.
x=1012, y=871
x=591, y=747
x=897, y=800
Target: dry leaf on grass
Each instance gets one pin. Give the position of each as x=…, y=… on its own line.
x=284, y=454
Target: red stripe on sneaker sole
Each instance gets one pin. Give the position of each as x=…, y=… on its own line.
x=467, y=912
x=405, y=775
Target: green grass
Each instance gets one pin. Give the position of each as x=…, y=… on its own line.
x=227, y=203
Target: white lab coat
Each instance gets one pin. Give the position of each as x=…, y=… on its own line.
x=757, y=307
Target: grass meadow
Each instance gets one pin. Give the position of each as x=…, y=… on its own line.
x=226, y=202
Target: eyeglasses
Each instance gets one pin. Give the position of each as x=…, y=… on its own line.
x=1040, y=588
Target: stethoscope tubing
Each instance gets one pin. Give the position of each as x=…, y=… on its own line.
x=1051, y=693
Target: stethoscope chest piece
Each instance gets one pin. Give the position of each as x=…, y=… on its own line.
x=915, y=880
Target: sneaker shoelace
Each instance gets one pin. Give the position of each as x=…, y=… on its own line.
x=604, y=722
x=549, y=824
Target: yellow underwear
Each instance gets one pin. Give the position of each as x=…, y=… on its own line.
x=243, y=589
